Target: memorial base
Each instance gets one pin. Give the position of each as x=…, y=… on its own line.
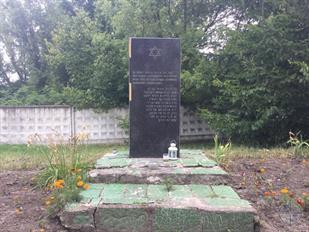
x=191, y=167
x=147, y=195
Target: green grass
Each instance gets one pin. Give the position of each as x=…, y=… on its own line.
x=18, y=157
x=23, y=157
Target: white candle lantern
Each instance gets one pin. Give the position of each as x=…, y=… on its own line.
x=172, y=151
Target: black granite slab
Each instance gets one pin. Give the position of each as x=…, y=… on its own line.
x=154, y=95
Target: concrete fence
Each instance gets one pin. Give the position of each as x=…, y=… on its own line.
x=18, y=124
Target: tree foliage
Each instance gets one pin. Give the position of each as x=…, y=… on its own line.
x=77, y=49
x=244, y=63
x=259, y=89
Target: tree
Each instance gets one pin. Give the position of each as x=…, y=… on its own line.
x=88, y=53
x=24, y=29
x=244, y=63
x=260, y=85
x=95, y=64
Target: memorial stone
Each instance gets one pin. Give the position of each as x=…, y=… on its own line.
x=154, y=95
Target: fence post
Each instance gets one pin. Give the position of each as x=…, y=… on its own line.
x=73, y=124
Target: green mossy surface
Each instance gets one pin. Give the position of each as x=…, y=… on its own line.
x=131, y=194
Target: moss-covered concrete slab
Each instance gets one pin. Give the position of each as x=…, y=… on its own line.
x=159, y=208
x=111, y=219
x=192, y=167
x=198, y=175
x=79, y=217
x=188, y=158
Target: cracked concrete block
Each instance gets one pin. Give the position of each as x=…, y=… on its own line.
x=153, y=208
x=78, y=217
x=123, y=219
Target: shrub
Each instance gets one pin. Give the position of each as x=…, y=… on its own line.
x=66, y=173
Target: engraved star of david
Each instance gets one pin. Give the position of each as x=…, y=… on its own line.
x=155, y=52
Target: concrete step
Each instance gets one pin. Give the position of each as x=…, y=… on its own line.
x=192, y=167
x=159, y=208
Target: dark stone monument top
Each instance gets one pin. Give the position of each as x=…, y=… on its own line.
x=154, y=95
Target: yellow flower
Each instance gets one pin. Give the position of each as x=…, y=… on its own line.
x=80, y=183
x=284, y=190
x=47, y=202
x=86, y=186
x=78, y=178
x=59, y=184
x=262, y=170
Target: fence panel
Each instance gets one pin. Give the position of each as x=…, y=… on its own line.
x=101, y=127
x=17, y=124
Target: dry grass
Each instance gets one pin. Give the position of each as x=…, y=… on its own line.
x=252, y=152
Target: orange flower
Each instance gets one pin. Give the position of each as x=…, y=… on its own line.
x=273, y=193
x=59, y=184
x=305, y=194
x=285, y=190
x=86, y=186
x=61, y=181
x=80, y=183
x=267, y=194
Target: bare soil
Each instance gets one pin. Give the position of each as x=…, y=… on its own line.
x=23, y=206
x=251, y=178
